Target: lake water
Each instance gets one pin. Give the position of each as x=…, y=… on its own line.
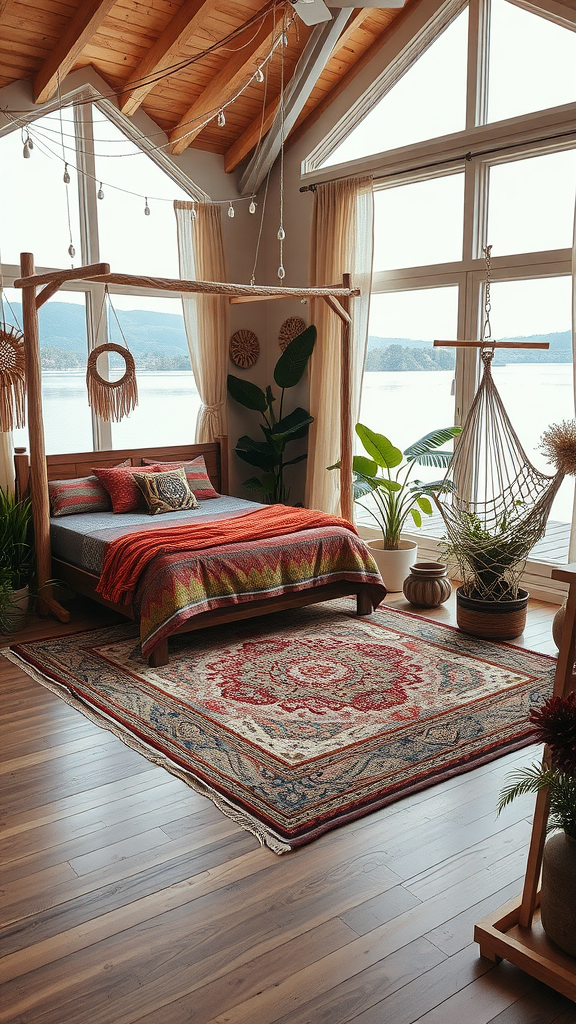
x=402, y=405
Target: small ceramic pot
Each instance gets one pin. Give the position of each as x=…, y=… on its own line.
x=428, y=585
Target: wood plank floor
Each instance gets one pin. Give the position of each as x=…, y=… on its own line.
x=129, y=898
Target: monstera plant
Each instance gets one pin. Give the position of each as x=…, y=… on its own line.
x=279, y=428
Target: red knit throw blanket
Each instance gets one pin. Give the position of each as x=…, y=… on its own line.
x=126, y=557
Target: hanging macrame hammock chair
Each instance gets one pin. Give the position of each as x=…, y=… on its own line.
x=495, y=504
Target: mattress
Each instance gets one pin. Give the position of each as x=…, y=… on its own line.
x=81, y=539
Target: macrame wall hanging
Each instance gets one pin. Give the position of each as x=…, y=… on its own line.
x=495, y=503
x=12, y=372
x=112, y=399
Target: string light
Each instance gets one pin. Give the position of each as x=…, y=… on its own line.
x=66, y=177
x=281, y=234
x=71, y=251
x=252, y=207
x=193, y=212
x=221, y=119
x=146, y=207
x=26, y=150
x=260, y=74
x=100, y=193
x=281, y=272
x=230, y=210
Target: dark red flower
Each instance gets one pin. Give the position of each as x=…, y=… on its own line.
x=555, y=725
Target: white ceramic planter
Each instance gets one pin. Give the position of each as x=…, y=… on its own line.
x=394, y=565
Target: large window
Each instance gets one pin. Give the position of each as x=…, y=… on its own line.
x=100, y=212
x=482, y=181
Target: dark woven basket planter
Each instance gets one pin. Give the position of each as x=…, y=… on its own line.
x=491, y=620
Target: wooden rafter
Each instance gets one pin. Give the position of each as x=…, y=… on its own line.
x=249, y=138
x=165, y=52
x=4, y=5
x=239, y=149
x=83, y=26
x=251, y=48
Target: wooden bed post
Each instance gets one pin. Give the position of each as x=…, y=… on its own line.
x=38, y=474
x=346, y=501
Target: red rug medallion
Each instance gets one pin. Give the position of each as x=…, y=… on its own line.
x=299, y=722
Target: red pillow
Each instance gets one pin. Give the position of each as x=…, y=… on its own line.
x=196, y=473
x=121, y=486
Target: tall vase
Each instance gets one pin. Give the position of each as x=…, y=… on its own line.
x=558, y=893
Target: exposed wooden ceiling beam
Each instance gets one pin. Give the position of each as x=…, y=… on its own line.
x=239, y=149
x=84, y=24
x=246, y=142
x=4, y=5
x=312, y=62
x=165, y=52
x=250, y=50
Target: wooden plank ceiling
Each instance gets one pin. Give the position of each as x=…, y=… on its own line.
x=182, y=60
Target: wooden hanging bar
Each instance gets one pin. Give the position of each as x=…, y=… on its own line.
x=51, y=281
x=492, y=344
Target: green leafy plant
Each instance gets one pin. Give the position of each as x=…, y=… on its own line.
x=487, y=558
x=555, y=725
x=387, y=477
x=16, y=544
x=279, y=430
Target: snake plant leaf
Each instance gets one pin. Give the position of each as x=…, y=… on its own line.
x=247, y=394
x=432, y=440
x=382, y=450
x=294, y=359
x=257, y=453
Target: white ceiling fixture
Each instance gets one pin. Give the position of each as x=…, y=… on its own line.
x=314, y=12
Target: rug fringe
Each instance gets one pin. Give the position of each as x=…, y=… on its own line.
x=265, y=836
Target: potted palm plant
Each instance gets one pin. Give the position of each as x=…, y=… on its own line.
x=385, y=476
x=555, y=725
x=16, y=560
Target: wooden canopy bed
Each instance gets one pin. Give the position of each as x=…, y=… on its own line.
x=35, y=471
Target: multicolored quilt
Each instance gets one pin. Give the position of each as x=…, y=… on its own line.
x=177, y=586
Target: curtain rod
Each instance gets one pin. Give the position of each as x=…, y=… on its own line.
x=448, y=160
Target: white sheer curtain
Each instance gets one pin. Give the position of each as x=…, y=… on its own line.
x=6, y=462
x=201, y=255
x=572, y=545
x=342, y=242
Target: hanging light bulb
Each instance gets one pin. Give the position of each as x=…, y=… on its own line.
x=259, y=75
x=284, y=39
x=281, y=234
x=221, y=120
x=30, y=143
x=252, y=207
x=26, y=150
x=230, y=210
x=66, y=178
x=100, y=192
x=281, y=272
x=71, y=251
x=146, y=207
x=193, y=212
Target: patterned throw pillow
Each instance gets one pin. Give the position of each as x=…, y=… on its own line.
x=196, y=474
x=166, y=492
x=83, y=494
x=120, y=484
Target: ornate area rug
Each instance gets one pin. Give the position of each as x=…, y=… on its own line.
x=296, y=723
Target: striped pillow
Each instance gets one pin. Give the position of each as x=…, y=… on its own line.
x=196, y=473
x=83, y=494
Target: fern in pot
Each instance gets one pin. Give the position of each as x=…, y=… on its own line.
x=555, y=724
x=16, y=560
x=385, y=476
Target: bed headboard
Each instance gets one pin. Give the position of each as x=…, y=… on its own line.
x=75, y=464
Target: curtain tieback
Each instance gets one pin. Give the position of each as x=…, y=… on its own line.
x=215, y=407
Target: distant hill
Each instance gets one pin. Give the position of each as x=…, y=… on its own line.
x=407, y=354
x=158, y=342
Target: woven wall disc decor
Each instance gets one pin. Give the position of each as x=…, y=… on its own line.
x=12, y=378
x=290, y=329
x=112, y=399
x=244, y=348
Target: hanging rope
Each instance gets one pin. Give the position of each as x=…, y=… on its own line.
x=112, y=399
x=12, y=369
